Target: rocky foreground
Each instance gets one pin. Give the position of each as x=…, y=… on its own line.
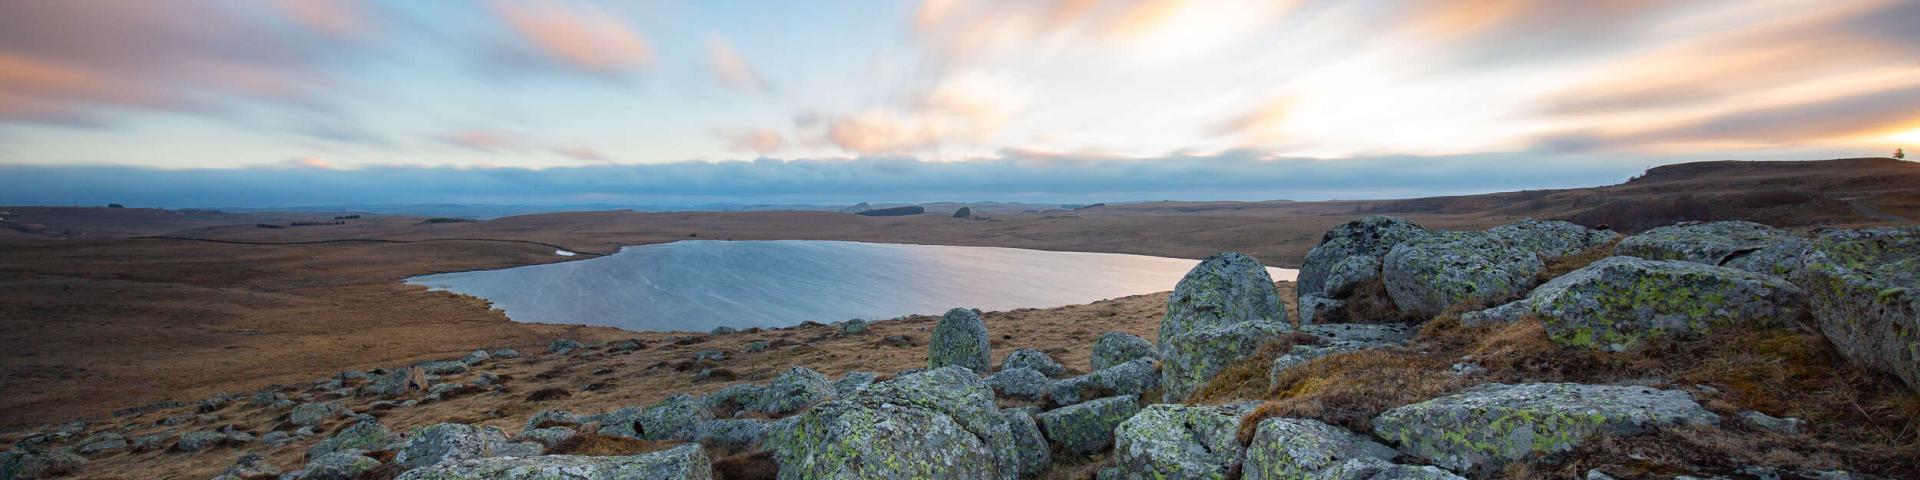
x=1535, y=349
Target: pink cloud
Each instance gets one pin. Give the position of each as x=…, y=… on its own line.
x=581, y=153
x=339, y=19
x=760, y=140
x=311, y=162
x=731, y=68
x=485, y=140
x=582, y=37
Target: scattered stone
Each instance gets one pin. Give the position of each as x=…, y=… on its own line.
x=1087, y=428
x=343, y=465
x=365, y=435
x=625, y=346
x=25, y=464
x=1427, y=275
x=314, y=413
x=1788, y=425
x=1178, y=441
x=250, y=465
x=198, y=441
x=734, y=398
x=901, y=341
x=174, y=420
x=151, y=442
x=960, y=339
x=267, y=398
x=1132, y=378
x=102, y=442
x=736, y=433
x=709, y=355
x=548, y=436
x=453, y=442
x=1114, y=348
x=277, y=438
x=476, y=357
x=1350, y=254
x=757, y=346
x=853, y=327
x=397, y=383
x=1619, y=302
x=1034, y=359
x=562, y=346
x=443, y=367
x=1031, y=451
x=724, y=330
x=504, y=353
x=1482, y=428
x=684, y=462
x=1300, y=448
x=1864, y=287
x=852, y=381
x=671, y=419
x=1022, y=383
x=793, y=390
x=941, y=423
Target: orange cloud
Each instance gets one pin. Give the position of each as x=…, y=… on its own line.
x=311, y=162
x=339, y=19
x=485, y=140
x=731, y=69
x=760, y=140
x=581, y=153
x=1263, y=124
x=582, y=37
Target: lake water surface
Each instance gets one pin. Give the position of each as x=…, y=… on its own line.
x=697, y=285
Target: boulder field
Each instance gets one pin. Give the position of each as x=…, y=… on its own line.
x=1132, y=413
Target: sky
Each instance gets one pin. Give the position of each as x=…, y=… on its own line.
x=195, y=103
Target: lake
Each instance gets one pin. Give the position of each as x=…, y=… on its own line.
x=697, y=285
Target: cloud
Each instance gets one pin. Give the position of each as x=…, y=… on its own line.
x=339, y=19
x=311, y=162
x=731, y=69
x=760, y=141
x=964, y=108
x=490, y=141
x=581, y=153
x=581, y=37
x=1265, y=123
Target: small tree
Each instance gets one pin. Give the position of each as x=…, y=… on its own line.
x=1899, y=153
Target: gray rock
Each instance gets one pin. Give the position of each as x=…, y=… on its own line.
x=26, y=464
x=1551, y=238
x=267, y=398
x=1317, y=308
x=685, y=462
x=1020, y=383
x=1368, y=468
x=1788, y=425
x=1350, y=254
x=342, y=465
x=174, y=420
x=1224, y=289
x=1482, y=428
x=737, y=433
x=1300, y=448
x=250, y=465
x=625, y=346
x=1372, y=333
x=723, y=330
x=1427, y=275
x=151, y=442
x=1034, y=359
x=552, y=418
x=793, y=390
x=277, y=438
x=1031, y=451
x=709, y=355
x=1711, y=243
x=940, y=423
x=476, y=357
x=1301, y=354
x=1864, y=289
x=1114, y=348
x=757, y=346
x=1506, y=313
x=1619, y=302
x=852, y=327
x=198, y=441
x=549, y=436
x=393, y=384
x=671, y=419
x=1087, y=428
x=852, y=381
x=443, y=367
x=1193, y=358
x=314, y=413
x=1131, y=378
x=102, y=442
x=453, y=442
x=734, y=397
x=960, y=339
x=505, y=353
x=1170, y=441
x=562, y=346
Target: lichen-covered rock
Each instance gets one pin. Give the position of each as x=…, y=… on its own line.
x=1288, y=448
x=1864, y=287
x=730, y=432
x=1338, y=338
x=505, y=353
x=1087, y=428
x=852, y=381
x=28, y=464
x=563, y=346
x=1711, y=243
x=1369, y=468
x=1425, y=276
x=1037, y=360
x=1031, y=451
x=792, y=390
x=1619, y=302
x=102, y=442
x=1114, y=348
x=685, y=462
x=1225, y=289
x=552, y=418
x=249, y=465
x=852, y=327
x=366, y=435
x=673, y=418
x=1551, y=238
x=1168, y=441
x=312, y=413
x=548, y=436
x=710, y=355
x=1021, y=383
x=1192, y=359
x=1482, y=428
x=453, y=442
x=1301, y=354
x=1135, y=377
x=941, y=423
x=198, y=441
x=1317, y=308
x=443, y=367
x=960, y=339
x=476, y=357
x=342, y=465
x=1350, y=254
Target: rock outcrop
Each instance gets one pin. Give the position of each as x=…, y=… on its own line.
x=453, y=442
x=1132, y=378
x=1114, y=348
x=1020, y=383
x=1337, y=338
x=685, y=462
x=1289, y=448
x=366, y=435
x=960, y=339
x=1619, y=302
x=671, y=419
x=940, y=423
x=1037, y=360
x=1551, y=238
x=1087, y=428
x=1737, y=244
x=1482, y=428
x=1224, y=309
x=1178, y=442
x=1864, y=288
x=793, y=390
x=1348, y=256
x=1426, y=275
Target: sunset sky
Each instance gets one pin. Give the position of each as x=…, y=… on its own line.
x=293, y=102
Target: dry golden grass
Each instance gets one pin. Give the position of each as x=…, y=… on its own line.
x=597, y=445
